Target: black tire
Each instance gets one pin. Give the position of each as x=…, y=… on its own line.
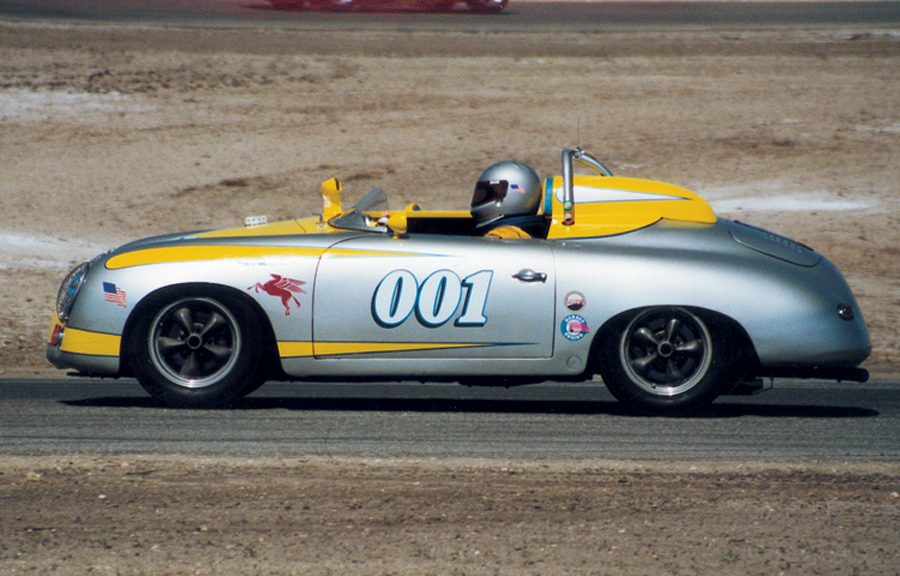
x=196, y=349
x=667, y=361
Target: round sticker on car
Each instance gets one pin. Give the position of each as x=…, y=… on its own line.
x=574, y=327
x=574, y=301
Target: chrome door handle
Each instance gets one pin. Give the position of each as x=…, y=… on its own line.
x=529, y=275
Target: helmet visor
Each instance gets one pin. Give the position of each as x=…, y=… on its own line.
x=489, y=191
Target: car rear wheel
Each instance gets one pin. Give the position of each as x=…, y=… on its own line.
x=667, y=361
x=193, y=350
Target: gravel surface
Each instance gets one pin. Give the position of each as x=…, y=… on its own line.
x=317, y=516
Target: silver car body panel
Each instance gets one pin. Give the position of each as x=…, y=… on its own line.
x=375, y=305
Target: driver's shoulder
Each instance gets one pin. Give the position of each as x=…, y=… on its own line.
x=507, y=231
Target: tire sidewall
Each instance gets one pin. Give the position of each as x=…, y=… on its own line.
x=241, y=375
x=619, y=381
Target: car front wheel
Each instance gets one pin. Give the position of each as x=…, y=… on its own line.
x=667, y=361
x=193, y=350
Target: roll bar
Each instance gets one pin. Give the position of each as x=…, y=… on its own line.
x=569, y=155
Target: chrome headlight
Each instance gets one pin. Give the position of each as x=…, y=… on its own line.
x=69, y=289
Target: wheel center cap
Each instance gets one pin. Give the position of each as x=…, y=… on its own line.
x=665, y=349
x=194, y=341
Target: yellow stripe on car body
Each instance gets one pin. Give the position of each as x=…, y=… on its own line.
x=308, y=225
x=614, y=205
x=308, y=349
x=199, y=253
x=90, y=343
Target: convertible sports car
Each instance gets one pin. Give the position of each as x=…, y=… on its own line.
x=486, y=6
x=633, y=279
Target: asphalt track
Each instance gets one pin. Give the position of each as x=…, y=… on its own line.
x=520, y=17
x=822, y=422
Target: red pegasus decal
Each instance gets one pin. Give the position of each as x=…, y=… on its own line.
x=283, y=288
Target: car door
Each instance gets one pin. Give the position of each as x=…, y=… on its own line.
x=442, y=297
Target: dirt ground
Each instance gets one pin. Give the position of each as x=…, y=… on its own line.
x=108, y=134
x=316, y=517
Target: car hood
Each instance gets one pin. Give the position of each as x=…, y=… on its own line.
x=287, y=238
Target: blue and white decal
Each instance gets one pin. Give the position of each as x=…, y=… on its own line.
x=478, y=286
x=395, y=298
x=574, y=327
x=435, y=301
x=439, y=298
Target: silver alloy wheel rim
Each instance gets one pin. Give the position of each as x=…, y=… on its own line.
x=666, y=351
x=194, y=342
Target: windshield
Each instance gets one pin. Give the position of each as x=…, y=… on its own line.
x=369, y=214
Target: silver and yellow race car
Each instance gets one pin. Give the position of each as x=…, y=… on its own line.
x=556, y=279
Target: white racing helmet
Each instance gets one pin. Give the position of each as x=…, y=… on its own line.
x=507, y=188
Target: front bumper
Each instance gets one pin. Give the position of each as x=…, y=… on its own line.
x=84, y=364
x=89, y=353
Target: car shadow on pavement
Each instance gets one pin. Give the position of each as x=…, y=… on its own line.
x=733, y=410
x=338, y=404
x=469, y=405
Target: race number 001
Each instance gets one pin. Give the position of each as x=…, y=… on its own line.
x=434, y=302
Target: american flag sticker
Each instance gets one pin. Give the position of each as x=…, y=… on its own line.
x=112, y=293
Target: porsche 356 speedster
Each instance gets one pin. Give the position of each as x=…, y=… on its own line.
x=557, y=279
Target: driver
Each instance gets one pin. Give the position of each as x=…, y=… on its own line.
x=506, y=201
